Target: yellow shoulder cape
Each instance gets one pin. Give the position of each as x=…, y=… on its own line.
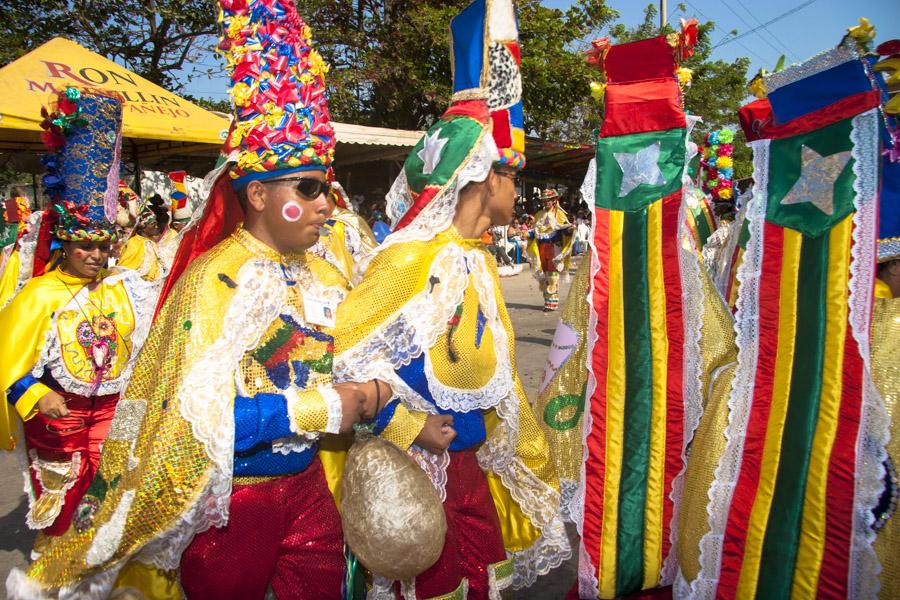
x=521, y=478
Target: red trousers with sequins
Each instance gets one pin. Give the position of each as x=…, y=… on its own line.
x=473, y=539
x=71, y=444
x=284, y=533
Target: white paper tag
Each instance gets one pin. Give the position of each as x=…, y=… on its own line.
x=319, y=311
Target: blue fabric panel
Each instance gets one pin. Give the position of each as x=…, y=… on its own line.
x=18, y=389
x=467, y=33
x=480, y=322
x=383, y=418
x=516, y=118
x=469, y=426
x=264, y=462
x=818, y=91
x=259, y=420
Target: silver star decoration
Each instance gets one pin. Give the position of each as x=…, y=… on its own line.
x=817, y=176
x=639, y=167
x=430, y=153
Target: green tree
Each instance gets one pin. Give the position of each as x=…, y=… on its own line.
x=390, y=60
x=718, y=88
x=164, y=41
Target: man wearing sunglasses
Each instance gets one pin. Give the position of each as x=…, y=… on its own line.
x=218, y=474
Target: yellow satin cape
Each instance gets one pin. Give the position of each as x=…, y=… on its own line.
x=24, y=323
x=172, y=468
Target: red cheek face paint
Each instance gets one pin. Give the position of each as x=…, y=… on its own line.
x=291, y=212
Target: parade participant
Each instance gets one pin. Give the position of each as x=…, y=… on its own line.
x=216, y=465
x=429, y=318
x=346, y=238
x=139, y=252
x=17, y=213
x=786, y=470
x=885, y=342
x=178, y=218
x=551, y=229
x=70, y=336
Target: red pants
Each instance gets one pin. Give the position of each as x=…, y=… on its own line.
x=285, y=533
x=73, y=448
x=547, y=252
x=473, y=540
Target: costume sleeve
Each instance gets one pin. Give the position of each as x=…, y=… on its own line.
x=24, y=395
x=266, y=417
x=399, y=425
x=132, y=254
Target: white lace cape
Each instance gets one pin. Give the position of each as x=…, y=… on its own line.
x=874, y=427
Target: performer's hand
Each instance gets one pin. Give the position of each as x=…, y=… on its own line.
x=437, y=433
x=53, y=406
x=352, y=402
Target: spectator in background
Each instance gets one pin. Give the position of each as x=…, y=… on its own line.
x=380, y=228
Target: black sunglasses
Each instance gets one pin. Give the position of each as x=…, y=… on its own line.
x=309, y=188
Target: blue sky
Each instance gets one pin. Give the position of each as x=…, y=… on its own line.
x=800, y=35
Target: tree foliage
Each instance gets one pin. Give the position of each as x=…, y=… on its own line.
x=718, y=88
x=390, y=60
x=164, y=41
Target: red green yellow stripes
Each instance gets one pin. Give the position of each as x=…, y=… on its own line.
x=630, y=466
x=812, y=531
x=781, y=537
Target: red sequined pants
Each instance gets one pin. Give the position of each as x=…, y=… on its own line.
x=72, y=446
x=285, y=533
x=473, y=539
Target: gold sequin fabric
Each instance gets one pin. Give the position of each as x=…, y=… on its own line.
x=718, y=356
x=886, y=375
x=153, y=468
x=560, y=402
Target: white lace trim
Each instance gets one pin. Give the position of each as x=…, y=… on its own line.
x=415, y=327
x=537, y=500
x=817, y=64
x=110, y=533
x=874, y=431
x=142, y=298
x=693, y=306
x=435, y=466
x=741, y=394
x=588, y=585
x=60, y=467
x=438, y=215
x=27, y=246
x=334, y=406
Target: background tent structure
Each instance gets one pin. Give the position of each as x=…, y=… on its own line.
x=155, y=122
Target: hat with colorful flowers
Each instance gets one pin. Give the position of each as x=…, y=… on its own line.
x=278, y=91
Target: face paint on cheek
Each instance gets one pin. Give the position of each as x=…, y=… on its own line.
x=291, y=212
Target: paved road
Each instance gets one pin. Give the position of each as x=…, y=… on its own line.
x=534, y=330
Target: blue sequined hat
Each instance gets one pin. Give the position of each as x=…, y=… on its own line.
x=84, y=135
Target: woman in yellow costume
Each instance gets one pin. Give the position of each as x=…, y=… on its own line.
x=429, y=318
x=70, y=336
x=139, y=252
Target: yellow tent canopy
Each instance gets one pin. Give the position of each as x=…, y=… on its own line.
x=155, y=122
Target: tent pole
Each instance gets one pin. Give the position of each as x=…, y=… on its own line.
x=137, y=169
